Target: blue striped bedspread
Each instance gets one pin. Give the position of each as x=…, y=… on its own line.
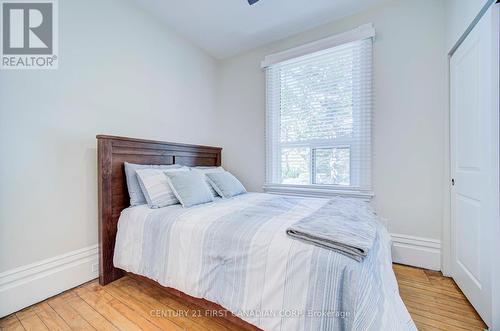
x=236, y=253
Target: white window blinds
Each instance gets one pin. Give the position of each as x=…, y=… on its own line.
x=319, y=111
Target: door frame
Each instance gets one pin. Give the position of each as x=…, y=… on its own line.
x=446, y=236
x=495, y=280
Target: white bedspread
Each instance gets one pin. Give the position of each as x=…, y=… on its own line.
x=236, y=253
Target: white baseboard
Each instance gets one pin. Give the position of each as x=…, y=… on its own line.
x=416, y=251
x=26, y=285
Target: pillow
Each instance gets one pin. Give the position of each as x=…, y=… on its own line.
x=155, y=186
x=226, y=184
x=209, y=170
x=134, y=189
x=190, y=187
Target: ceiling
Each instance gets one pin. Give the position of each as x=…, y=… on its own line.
x=228, y=27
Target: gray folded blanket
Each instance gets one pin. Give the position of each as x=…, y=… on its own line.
x=346, y=226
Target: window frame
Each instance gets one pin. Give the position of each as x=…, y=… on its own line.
x=273, y=125
x=352, y=175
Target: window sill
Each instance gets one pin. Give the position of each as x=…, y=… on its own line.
x=317, y=191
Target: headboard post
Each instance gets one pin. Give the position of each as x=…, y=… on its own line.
x=113, y=196
x=107, y=230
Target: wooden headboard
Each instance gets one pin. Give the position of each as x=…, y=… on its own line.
x=113, y=196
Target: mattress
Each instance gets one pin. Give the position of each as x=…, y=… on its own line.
x=235, y=252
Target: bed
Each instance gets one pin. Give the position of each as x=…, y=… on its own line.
x=234, y=254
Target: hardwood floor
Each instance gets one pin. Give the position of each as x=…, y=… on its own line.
x=434, y=301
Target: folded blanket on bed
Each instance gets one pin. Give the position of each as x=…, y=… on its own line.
x=342, y=225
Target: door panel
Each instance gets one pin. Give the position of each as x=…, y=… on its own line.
x=472, y=157
x=467, y=226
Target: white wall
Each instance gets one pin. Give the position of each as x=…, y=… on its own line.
x=410, y=100
x=121, y=72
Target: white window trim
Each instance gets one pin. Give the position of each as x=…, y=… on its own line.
x=323, y=191
x=318, y=191
x=361, y=32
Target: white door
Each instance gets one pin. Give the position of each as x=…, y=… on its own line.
x=474, y=151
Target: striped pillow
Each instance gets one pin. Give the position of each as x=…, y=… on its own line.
x=133, y=186
x=154, y=185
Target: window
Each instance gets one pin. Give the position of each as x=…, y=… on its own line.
x=319, y=109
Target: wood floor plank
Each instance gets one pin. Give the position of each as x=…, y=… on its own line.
x=90, y=286
x=435, y=302
x=436, y=278
x=442, y=283
x=141, y=308
x=441, y=314
x=30, y=320
x=159, y=310
x=453, y=294
x=133, y=316
x=120, y=315
x=439, y=320
x=436, y=286
x=68, y=314
x=432, y=293
x=416, y=274
x=201, y=318
x=27, y=312
x=50, y=318
x=98, y=321
x=11, y=323
x=430, y=324
x=221, y=321
x=467, y=313
x=428, y=293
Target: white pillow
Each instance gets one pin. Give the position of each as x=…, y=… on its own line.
x=154, y=185
x=209, y=170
